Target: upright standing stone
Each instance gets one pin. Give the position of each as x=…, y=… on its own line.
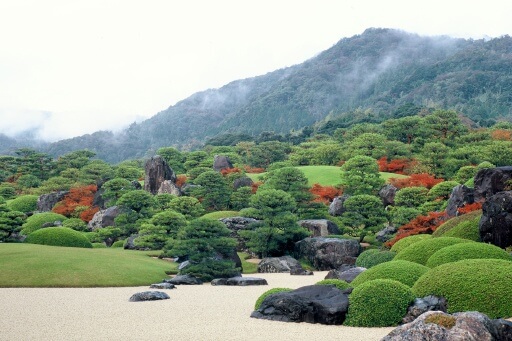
x=157, y=171
x=221, y=162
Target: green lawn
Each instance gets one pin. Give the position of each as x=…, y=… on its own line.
x=325, y=175
x=30, y=265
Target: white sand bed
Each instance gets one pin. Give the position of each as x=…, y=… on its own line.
x=202, y=312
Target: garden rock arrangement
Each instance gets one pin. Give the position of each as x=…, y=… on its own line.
x=156, y=172
x=184, y=280
x=320, y=227
x=149, y=296
x=345, y=275
x=489, y=181
x=240, y=281
x=46, y=202
x=313, y=304
x=328, y=253
x=278, y=264
x=236, y=224
x=221, y=162
x=162, y=286
x=336, y=208
x=387, y=194
x=461, y=195
x=496, y=223
x=103, y=218
x=422, y=305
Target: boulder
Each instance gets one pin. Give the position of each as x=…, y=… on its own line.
x=422, y=305
x=183, y=280
x=320, y=227
x=387, y=195
x=300, y=272
x=278, y=264
x=46, y=202
x=495, y=225
x=503, y=328
x=235, y=224
x=336, y=207
x=130, y=244
x=489, y=181
x=98, y=200
x=386, y=233
x=149, y=296
x=347, y=275
x=460, y=196
x=136, y=185
x=467, y=326
x=103, y=218
x=162, y=286
x=221, y=162
x=240, y=281
x=328, y=253
x=168, y=186
x=244, y=181
x=323, y=304
x=156, y=172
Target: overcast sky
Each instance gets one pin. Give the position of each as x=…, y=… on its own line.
x=74, y=67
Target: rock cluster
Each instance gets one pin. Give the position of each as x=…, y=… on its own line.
x=328, y=253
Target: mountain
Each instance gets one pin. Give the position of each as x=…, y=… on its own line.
x=381, y=70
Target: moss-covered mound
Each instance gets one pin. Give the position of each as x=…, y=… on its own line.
x=58, y=236
x=421, y=251
x=372, y=257
x=453, y=222
x=405, y=242
x=23, y=203
x=471, y=285
x=268, y=293
x=463, y=251
x=402, y=271
x=36, y=221
x=466, y=230
x=378, y=303
x=338, y=283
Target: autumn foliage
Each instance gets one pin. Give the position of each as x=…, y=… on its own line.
x=255, y=185
x=78, y=202
x=180, y=180
x=416, y=180
x=419, y=225
x=249, y=169
x=397, y=166
x=226, y=171
x=502, y=135
x=324, y=194
x=469, y=208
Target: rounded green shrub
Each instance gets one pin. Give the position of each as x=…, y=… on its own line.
x=267, y=293
x=466, y=230
x=370, y=258
x=453, y=222
x=23, y=203
x=75, y=224
x=98, y=246
x=421, y=251
x=402, y=271
x=463, y=251
x=471, y=285
x=118, y=243
x=378, y=303
x=338, y=283
x=405, y=242
x=58, y=236
x=36, y=221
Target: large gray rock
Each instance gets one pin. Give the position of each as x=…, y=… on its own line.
x=162, y=286
x=328, y=253
x=323, y=304
x=168, y=186
x=504, y=329
x=244, y=181
x=103, y=218
x=422, y=305
x=336, y=207
x=278, y=264
x=183, y=280
x=46, y=202
x=387, y=195
x=221, y=162
x=235, y=224
x=346, y=275
x=240, y=281
x=460, y=196
x=320, y=227
x=468, y=326
x=156, y=172
x=386, y=233
x=489, y=181
x=496, y=222
x=130, y=244
x=149, y=296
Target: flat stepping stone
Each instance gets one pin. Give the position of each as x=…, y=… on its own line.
x=162, y=286
x=240, y=281
x=149, y=296
x=184, y=280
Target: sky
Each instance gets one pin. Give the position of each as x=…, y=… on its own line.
x=72, y=67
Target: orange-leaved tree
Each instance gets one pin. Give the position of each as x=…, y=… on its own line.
x=78, y=203
x=324, y=194
x=416, y=180
x=420, y=225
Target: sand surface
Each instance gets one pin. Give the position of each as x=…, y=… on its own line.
x=200, y=312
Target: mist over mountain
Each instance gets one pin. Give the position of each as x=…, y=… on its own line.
x=380, y=70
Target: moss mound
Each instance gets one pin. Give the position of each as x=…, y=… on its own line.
x=338, y=283
x=466, y=230
x=267, y=293
x=421, y=251
x=372, y=257
x=36, y=221
x=58, y=236
x=471, y=285
x=402, y=271
x=378, y=303
x=405, y=242
x=453, y=222
x=23, y=203
x=463, y=251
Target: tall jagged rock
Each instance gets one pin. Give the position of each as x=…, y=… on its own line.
x=157, y=171
x=460, y=196
x=489, y=181
x=46, y=202
x=496, y=223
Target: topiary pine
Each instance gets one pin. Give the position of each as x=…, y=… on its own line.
x=421, y=251
x=370, y=258
x=405, y=242
x=58, y=236
x=463, y=251
x=399, y=270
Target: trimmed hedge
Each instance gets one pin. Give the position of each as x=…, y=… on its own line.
x=466, y=230
x=23, y=203
x=36, y=221
x=463, y=251
x=421, y=251
x=471, y=285
x=267, y=293
x=58, y=236
x=453, y=222
x=372, y=257
x=399, y=270
x=118, y=243
x=338, y=283
x=378, y=303
x=405, y=242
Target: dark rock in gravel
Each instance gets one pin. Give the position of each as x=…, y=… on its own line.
x=149, y=296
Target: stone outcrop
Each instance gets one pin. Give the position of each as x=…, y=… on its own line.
x=300, y=272
x=490, y=181
x=46, y=202
x=240, y=281
x=346, y=275
x=336, y=208
x=183, y=280
x=323, y=304
x=387, y=195
x=168, y=186
x=320, y=227
x=278, y=264
x=496, y=223
x=386, y=233
x=235, y=224
x=162, y=286
x=460, y=196
x=149, y=296
x=328, y=253
x=103, y=218
x=422, y=305
x=156, y=172
x=221, y=162
x=244, y=181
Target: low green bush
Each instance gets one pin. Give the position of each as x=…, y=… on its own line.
x=402, y=271
x=338, y=283
x=36, y=221
x=453, y=222
x=75, y=224
x=378, y=303
x=463, y=251
x=98, y=245
x=471, y=285
x=405, y=242
x=23, y=203
x=421, y=251
x=58, y=236
x=466, y=230
x=372, y=257
x=118, y=243
x=267, y=293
